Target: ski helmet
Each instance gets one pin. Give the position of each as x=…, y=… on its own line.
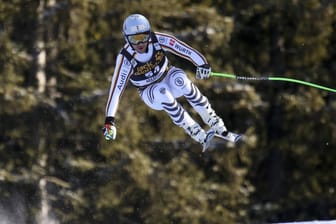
x=135, y=24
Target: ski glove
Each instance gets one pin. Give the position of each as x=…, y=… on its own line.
x=203, y=71
x=109, y=129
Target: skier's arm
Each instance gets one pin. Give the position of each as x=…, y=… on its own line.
x=119, y=81
x=183, y=50
x=177, y=47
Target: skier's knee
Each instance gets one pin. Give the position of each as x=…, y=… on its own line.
x=161, y=94
x=180, y=80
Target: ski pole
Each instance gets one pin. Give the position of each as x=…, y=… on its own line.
x=232, y=76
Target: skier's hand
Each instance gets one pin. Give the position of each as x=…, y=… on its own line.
x=203, y=71
x=109, y=129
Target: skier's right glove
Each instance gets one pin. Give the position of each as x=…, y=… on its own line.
x=203, y=71
x=109, y=129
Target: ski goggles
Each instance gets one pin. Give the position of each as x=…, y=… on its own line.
x=138, y=38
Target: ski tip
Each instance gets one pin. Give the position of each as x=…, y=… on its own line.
x=238, y=138
x=209, y=137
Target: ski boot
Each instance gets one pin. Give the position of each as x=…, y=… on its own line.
x=216, y=123
x=199, y=135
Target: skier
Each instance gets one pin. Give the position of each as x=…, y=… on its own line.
x=144, y=63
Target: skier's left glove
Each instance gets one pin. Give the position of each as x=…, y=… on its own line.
x=109, y=129
x=203, y=71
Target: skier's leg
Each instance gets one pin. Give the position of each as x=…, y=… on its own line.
x=201, y=104
x=159, y=97
x=182, y=85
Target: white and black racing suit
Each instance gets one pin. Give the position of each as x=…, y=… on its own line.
x=159, y=83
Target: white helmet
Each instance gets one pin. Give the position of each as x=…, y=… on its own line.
x=135, y=24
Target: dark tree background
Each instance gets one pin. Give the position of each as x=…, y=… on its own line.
x=56, y=62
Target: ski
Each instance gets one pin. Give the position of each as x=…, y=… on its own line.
x=230, y=136
x=210, y=135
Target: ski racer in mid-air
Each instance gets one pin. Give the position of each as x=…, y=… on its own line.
x=143, y=62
